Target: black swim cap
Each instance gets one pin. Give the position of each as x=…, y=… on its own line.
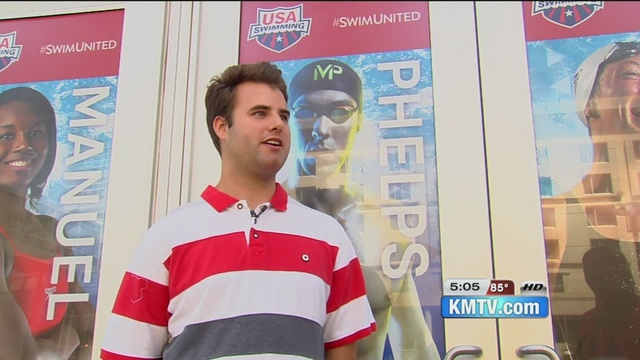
x=326, y=74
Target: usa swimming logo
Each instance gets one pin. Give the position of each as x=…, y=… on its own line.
x=566, y=13
x=280, y=28
x=9, y=50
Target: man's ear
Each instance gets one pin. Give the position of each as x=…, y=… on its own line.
x=590, y=111
x=591, y=117
x=220, y=127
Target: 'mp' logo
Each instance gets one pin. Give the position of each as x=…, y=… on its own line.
x=326, y=73
x=566, y=13
x=9, y=51
x=280, y=28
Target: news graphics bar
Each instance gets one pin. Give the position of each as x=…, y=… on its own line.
x=487, y=298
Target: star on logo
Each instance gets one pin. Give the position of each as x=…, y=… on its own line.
x=568, y=14
x=279, y=38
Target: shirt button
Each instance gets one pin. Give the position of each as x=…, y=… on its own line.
x=239, y=206
x=255, y=235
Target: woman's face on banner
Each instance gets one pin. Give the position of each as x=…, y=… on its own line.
x=23, y=145
x=616, y=98
x=326, y=122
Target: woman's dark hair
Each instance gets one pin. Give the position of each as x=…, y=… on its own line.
x=41, y=108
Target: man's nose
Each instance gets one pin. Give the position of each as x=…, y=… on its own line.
x=321, y=128
x=278, y=123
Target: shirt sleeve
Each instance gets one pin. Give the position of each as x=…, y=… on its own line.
x=137, y=325
x=349, y=316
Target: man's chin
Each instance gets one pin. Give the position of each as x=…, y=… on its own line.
x=271, y=167
x=319, y=169
x=326, y=170
x=308, y=166
x=633, y=122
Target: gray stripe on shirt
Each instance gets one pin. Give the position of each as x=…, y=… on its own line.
x=248, y=335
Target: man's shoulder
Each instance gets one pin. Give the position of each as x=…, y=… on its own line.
x=308, y=215
x=193, y=205
x=184, y=211
x=181, y=222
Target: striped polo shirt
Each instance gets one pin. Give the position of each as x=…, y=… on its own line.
x=211, y=281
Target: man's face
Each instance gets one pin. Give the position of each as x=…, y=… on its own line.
x=614, y=109
x=326, y=124
x=615, y=104
x=257, y=143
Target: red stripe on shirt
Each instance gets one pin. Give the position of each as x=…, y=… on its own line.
x=106, y=355
x=347, y=285
x=267, y=251
x=143, y=300
x=351, y=338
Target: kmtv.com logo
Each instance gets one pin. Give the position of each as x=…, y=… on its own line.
x=280, y=28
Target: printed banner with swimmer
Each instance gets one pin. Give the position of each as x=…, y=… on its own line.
x=584, y=74
x=58, y=91
x=363, y=148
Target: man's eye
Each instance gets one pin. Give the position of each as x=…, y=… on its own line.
x=305, y=114
x=631, y=74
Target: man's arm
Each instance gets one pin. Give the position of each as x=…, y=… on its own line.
x=415, y=339
x=349, y=316
x=137, y=326
x=346, y=352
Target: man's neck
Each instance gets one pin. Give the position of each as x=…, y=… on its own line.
x=254, y=191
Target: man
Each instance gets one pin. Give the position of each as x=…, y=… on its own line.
x=611, y=329
x=607, y=89
x=327, y=114
x=239, y=272
x=603, y=208
x=607, y=93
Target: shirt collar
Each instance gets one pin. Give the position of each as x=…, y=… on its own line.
x=221, y=201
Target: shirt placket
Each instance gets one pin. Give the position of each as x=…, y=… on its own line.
x=256, y=243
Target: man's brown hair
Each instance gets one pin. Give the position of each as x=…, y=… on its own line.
x=221, y=91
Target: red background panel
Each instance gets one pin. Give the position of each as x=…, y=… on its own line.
x=40, y=35
x=614, y=17
x=326, y=39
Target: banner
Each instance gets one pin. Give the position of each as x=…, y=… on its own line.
x=584, y=74
x=363, y=148
x=58, y=86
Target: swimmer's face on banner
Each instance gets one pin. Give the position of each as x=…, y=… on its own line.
x=23, y=145
x=326, y=123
